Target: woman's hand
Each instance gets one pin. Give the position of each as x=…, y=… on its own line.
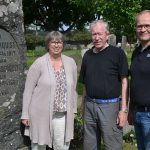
x=26, y=122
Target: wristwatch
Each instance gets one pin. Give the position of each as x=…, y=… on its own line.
x=124, y=110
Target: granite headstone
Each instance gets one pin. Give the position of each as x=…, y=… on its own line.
x=12, y=63
x=112, y=39
x=124, y=42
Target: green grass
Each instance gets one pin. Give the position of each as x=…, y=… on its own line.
x=126, y=146
x=30, y=60
x=33, y=54
x=72, y=52
x=129, y=57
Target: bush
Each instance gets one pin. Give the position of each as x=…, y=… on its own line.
x=130, y=137
x=33, y=40
x=76, y=143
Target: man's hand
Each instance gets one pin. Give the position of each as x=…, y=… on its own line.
x=121, y=119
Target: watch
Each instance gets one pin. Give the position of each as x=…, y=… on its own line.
x=124, y=110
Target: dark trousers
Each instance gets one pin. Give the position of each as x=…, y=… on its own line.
x=100, y=121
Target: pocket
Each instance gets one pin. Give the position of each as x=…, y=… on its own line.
x=118, y=134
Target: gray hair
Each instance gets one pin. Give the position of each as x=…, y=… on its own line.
x=141, y=13
x=100, y=22
x=53, y=35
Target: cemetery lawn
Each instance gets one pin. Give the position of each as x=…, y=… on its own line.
x=126, y=146
x=33, y=54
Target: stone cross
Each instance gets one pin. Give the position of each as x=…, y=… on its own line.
x=12, y=60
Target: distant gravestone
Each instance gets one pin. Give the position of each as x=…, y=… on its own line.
x=124, y=42
x=112, y=39
x=12, y=60
x=89, y=46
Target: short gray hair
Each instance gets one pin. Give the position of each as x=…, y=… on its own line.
x=100, y=22
x=53, y=35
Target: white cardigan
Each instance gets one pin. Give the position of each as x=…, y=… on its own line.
x=39, y=95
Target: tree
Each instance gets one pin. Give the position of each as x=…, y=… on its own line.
x=120, y=14
x=54, y=14
x=145, y=4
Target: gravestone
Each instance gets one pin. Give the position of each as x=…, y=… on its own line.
x=124, y=42
x=12, y=60
x=112, y=39
x=89, y=46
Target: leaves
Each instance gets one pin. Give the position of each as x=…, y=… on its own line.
x=54, y=14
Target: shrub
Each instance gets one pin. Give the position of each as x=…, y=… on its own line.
x=130, y=137
x=76, y=143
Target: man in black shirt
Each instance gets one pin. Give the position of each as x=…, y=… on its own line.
x=104, y=72
x=139, y=111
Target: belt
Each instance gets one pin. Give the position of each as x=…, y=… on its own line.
x=103, y=101
x=142, y=108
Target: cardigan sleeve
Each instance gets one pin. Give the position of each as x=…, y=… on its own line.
x=31, y=82
x=75, y=84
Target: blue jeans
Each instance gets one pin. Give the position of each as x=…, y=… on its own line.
x=142, y=129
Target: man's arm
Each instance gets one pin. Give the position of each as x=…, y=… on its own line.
x=124, y=93
x=122, y=116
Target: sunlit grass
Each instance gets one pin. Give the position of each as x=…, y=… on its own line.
x=126, y=146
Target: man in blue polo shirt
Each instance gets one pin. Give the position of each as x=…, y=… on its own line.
x=139, y=112
x=104, y=72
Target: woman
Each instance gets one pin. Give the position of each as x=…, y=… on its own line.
x=49, y=99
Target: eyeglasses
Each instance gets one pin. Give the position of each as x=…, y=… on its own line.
x=145, y=26
x=56, y=42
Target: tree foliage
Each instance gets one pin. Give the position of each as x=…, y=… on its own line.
x=145, y=4
x=120, y=14
x=54, y=14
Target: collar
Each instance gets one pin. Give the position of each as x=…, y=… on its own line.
x=143, y=50
x=95, y=51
